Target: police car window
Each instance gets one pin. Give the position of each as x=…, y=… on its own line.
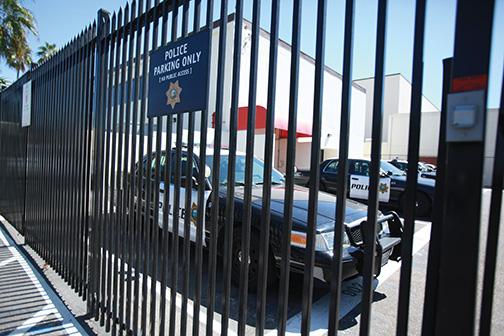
x=332, y=167
x=389, y=168
x=258, y=171
x=153, y=165
x=359, y=168
x=183, y=166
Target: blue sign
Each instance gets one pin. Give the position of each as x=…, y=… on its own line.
x=178, y=76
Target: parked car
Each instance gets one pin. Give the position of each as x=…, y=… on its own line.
x=389, y=229
x=392, y=188
x=424, y=170
x=431, y=167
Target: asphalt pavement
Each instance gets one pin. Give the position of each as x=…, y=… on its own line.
x=384, y=308
x=28, y=305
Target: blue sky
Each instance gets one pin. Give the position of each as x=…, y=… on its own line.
x=60, y=20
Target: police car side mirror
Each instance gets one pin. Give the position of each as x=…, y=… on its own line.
x=389, y=173
x=208, y=171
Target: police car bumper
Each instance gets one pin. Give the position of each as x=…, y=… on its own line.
x=387, y=247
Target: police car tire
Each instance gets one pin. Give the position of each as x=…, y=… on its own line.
x=322, y=187
x=254, y=261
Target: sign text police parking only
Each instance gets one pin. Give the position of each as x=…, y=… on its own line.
x=178, y=75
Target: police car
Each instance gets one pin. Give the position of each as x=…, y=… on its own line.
x=389, y=227
x=391, y=189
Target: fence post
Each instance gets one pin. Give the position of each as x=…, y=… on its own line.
x=431, y=283
x=103, y=22
x=456, y=292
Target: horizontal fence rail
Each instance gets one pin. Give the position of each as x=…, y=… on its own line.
x=164, y=227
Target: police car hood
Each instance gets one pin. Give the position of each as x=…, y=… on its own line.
x=326, y=206
x=422, y=181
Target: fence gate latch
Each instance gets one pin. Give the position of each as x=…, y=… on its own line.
x=465, y=122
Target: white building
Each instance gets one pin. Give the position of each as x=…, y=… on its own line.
x=397, y=100
x=396, y=109
x=331, y=103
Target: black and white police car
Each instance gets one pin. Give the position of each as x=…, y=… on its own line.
x=389, y=228
x=391, y=189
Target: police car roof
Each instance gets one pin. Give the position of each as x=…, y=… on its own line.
x=210, y=150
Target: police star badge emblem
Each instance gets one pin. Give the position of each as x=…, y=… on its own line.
x=194, y=213
x=383, y=188
x=173, y=94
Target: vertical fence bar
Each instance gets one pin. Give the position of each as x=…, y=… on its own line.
x=77, y=161
x=202, y=182
x=233, y=126
x=341, y=196
x=116, y=175
x=137, y=171
x=431, y=282
x=188, y=173
x=82, y=199
x=102, y=190
x=412, y=172
x=124, y=117
x=186, y=260
x=264, y=252
x=215, y=209
x=166, y=193
x=249, y=161
x=369, y=227
x=94, y=271
x=493, y=225
x=61, y=146
x=131, y=110
x=314, y=168
x=89, y=166
x=176, y=198
x=71, y=157
x=146, y=189
x=155, y=205
x=107, y=220
x=283, y=296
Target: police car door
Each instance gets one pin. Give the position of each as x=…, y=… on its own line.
x=182, y=211
x=359, y=182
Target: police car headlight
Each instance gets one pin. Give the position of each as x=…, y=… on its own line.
x=329, y=239
x=323, y=241
x=385, y=228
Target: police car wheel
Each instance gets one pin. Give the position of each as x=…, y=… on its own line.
x=253, y=260
x=322, y=187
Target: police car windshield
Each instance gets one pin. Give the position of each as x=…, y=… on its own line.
x=257, y=175
x=388, y=167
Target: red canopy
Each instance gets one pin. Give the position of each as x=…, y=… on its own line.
x=281, y=122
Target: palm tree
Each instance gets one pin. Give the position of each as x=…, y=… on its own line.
x=46, y=51
x=3, y=83
x=16, y=22
x=20, y=60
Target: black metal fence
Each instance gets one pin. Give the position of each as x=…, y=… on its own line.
x=84, y=181
x=13, y=157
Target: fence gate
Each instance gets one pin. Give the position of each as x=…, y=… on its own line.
x=98, y=184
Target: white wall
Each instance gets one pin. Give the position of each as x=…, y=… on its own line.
x=429, y=134
x=331, y=97
x=396, y=99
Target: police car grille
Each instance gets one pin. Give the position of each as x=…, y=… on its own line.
x=356, y=233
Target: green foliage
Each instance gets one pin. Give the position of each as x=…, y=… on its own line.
x=3, y=83
x=16, y=22
x=46, y=51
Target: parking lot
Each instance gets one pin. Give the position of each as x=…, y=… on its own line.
x=385, y=297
